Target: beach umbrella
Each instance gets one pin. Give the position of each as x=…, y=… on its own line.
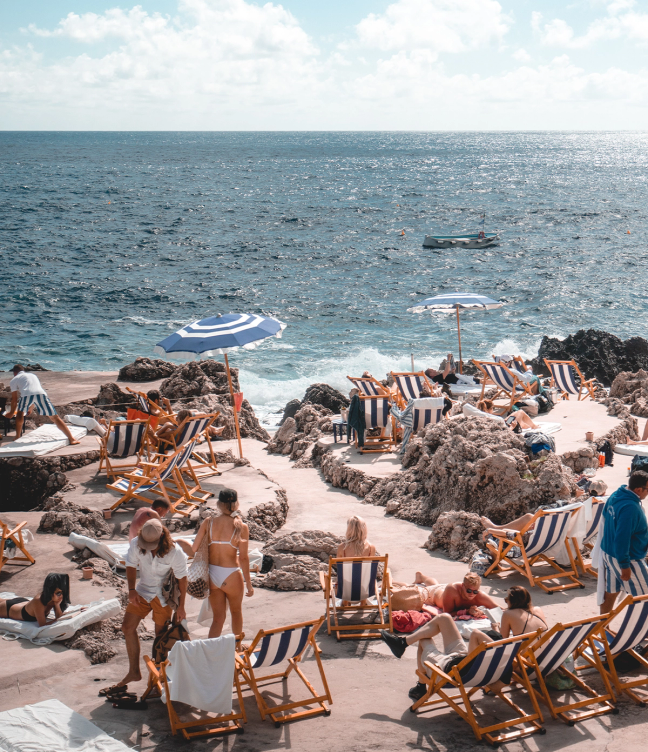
x=219, y=335
x=456, y=300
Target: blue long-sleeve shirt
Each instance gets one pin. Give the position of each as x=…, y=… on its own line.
x=625, y=532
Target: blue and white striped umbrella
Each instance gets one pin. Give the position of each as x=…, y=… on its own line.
x=219, y=335
x=451, y=300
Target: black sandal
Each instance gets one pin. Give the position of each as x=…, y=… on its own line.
x=117, y=690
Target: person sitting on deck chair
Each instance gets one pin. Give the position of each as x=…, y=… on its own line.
x=447, y=373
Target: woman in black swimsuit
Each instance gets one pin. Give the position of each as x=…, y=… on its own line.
x=521, y=616
x=55, y=595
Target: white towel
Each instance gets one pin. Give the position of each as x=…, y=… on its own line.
x=470, y=411
x=90, y=423
x=201, y=673
x=42, y=440
x=597, y=563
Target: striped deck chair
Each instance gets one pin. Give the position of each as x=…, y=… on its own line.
x=124, y=438
x=196, y=428
x=418, y=414
x=354, y=584
x=161, y=478
x=273, y=646
x=563, y=377
x=590, y=534
x=368, y=386
x=506, y=381
x=12, y=539
x=208, y=725
x=377, y=415
x=488, y=663
x=408, y=384
x=548, y=653
x=610, y=644
x=517, y=364
x=546, y=529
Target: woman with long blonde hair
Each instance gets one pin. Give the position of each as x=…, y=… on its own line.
x=355, y=541
x=229, y=562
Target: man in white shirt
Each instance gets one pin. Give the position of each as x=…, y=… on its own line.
x=155, y=554
x=26, y=390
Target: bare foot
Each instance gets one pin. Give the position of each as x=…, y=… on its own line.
x=73, y=442
x=131, y=676
x=486, y=522
x=418, y=578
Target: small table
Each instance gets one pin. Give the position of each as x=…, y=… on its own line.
x=339, y=424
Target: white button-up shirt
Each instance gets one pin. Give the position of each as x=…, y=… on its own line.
x=153, y=570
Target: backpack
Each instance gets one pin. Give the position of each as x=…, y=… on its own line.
x=639, y=463
x=545, y=403
x=606, y=448
x=166, y=639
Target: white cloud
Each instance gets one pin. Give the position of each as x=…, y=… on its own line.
x=521, y=55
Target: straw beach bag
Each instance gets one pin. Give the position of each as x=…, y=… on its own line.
x=198, y=572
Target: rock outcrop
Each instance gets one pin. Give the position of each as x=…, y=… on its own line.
x=458, y=534
x=297, y=435
x=198, y=378
x=63, y=517
x=111, y=396
x=599, y=354
x=290, y=410
x=298, y=559
x=326, y=396
x=630, y=390
x=146, y=369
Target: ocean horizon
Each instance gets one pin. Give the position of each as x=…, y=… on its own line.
x=111, y=241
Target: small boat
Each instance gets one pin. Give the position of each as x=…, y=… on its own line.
x=467, y=240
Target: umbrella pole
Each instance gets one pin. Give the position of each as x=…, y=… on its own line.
x=459, y=335
x=236, y=422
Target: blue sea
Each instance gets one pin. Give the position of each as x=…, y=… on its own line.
x=111, y=241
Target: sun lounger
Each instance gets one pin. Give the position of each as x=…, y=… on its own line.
x=548, y=653
x=13, y=539
x=124, y=438
x=42, y=440
x=632, y=450
x=75, y=618
x=355, y=583
x=418, y=414
x=285, y=644
x=563, y=377
x=506, y=382
x=487, y=664
x=546, y=529
x=368, y=386
x=377, y=415
x=162, y=478
x=203, y=675
x=609, y=645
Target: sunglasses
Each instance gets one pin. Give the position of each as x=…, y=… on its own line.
x=472, y=592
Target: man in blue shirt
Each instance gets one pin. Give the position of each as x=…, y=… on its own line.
x=625, y=541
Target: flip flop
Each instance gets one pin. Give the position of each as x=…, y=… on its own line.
x=126, y=697
x=115, y=691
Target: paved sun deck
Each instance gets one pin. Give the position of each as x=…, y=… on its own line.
x=369, y=685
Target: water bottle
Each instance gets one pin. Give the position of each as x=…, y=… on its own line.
x=601, y=459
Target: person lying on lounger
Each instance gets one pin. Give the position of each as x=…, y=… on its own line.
x=55, y=595
x=446, y=374
x=426, y=591
x=516, y=419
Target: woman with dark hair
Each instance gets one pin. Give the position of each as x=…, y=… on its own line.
x=229, y=562
x=55, y=595
x=521, y=616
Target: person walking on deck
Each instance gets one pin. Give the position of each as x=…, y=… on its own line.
x=26, y=390
x=625, y=541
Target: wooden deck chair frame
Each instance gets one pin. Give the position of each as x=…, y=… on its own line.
x=104, y=457
x=505, y=544
x=520, y=389
x=570, y=712
x=201, y=727
x=328, y=581
x=173, y=488
x=379, y=388
x=143, y=399
x=401, y=398
x=626, y=687
x=202, y=468
x=15, y=535
x=383, y=443
x=578, y=556
x=586, y=384
x=281, y=713
x=462, y=701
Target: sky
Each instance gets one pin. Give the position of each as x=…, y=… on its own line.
x=332, y=65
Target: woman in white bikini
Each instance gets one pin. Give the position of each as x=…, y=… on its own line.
x=229, y=563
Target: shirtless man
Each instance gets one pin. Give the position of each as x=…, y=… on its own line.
x=458, y=596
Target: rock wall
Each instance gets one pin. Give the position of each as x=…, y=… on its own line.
x=599, y=354
x=339, y=474
x=146, y=369
x=630, y=390
x=63, y=517
x=458, y=534
x=297, y=436
x=26, y=482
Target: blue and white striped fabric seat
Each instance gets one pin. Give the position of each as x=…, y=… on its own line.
x=556, y=650
x=418, y=414
x=633, y=629
x=565, y=378
x=191, y=428
x=376, y=411
x=500, y=376
x=548, y=531
x=177, y=460
x=592, y=528
x=366, y=387
x=408, y=385
x=356, y=580
x=280, y=646
x=142, y=404
x=126, y=440
x=490, y=666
